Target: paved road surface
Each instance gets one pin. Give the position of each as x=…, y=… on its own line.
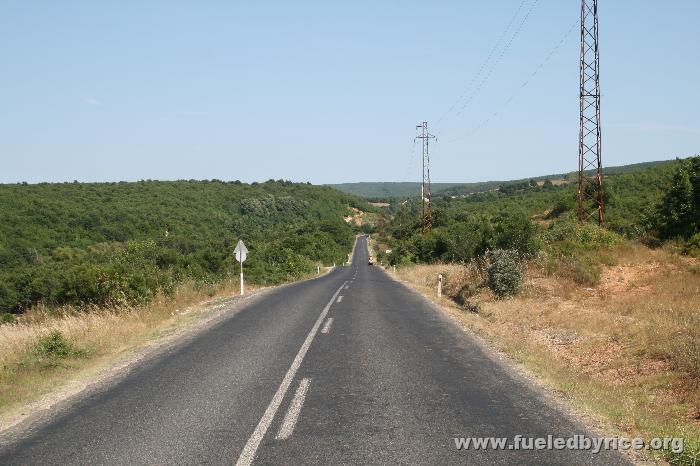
x=350, y=368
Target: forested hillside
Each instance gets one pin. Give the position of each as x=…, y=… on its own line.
x=651, y=203
x=113, y=243
x=388, y=190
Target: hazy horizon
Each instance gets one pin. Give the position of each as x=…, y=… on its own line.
x=327, y=184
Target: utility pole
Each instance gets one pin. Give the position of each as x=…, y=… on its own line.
x=590, y=185
x=427, y=216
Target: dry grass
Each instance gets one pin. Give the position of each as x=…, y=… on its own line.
x=627, y=348
x=98, y=335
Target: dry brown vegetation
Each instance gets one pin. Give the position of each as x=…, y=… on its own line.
x=626, y=348
x=89, y=338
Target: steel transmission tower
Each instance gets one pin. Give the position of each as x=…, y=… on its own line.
x=590, y=168
x=427, y=217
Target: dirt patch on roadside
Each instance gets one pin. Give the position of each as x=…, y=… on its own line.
x=626, y=278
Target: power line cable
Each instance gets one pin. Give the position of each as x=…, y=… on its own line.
x=525, y=83
x=411, y=159
x=485, y=62
x=498, y=60
x=485, y=79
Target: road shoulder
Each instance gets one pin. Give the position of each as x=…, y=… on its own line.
x=559, y=400
x=171, y=334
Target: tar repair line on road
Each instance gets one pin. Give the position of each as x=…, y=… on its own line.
x=251, y=446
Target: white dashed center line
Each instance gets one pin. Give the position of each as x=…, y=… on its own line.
x=251, y=447
x=292, y=416
x=327, y=326
x=340, y=298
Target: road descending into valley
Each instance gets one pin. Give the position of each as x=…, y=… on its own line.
x=349, y=368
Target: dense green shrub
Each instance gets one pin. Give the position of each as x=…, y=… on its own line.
x=588, y=236
x=692, y=246
x=561, y=206
x=427, y=248
x=55, y=346
x=514, y=230
x=504, y=273
x=678, y=214
x=467, y=238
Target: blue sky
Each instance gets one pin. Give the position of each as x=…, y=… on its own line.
x=327, y=91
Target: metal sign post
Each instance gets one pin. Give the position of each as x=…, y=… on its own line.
x=241, y=255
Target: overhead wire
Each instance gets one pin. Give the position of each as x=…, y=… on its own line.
x=495, y=63
x=484, y=63
x=411, y=159
x=524, y=84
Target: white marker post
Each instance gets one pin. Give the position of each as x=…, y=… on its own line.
x=241, y=255
x=439, y=285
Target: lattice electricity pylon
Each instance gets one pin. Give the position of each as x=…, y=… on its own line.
x=590, y=167
x=427, y=217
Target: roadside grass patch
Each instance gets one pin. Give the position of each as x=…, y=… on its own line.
x=581, y=270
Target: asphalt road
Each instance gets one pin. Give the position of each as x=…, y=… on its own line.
x=389, y=380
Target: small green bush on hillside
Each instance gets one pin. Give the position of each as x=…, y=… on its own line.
x=581, y=270
x=692, y=246
x=587, y=236
x=504, y=273
x=55, y=346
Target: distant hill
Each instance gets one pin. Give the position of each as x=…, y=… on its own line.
x=387, y=190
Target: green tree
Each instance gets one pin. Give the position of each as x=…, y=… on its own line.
x=514, y=230
x=467, y=238
x=676, y=209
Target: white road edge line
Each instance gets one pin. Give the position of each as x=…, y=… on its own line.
x=290, y=419
x=327, y=326
x=340, y=298
x=251, y=446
